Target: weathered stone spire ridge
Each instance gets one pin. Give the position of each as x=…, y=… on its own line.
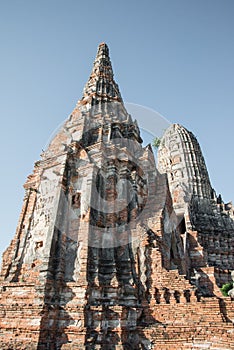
x=101, y=86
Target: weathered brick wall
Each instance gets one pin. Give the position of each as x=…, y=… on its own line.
x=20, y=316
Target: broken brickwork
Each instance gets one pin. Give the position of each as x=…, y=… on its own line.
x=112, y=252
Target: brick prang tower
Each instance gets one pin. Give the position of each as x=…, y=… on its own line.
x=112, y=252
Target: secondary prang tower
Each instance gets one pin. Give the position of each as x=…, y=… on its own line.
x=111, y=252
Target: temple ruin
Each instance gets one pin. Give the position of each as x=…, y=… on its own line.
x=111, y=250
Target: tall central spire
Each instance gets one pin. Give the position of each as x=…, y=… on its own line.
x=101, y=86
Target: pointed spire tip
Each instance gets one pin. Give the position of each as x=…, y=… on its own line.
x=101, y=85
x=102, y=44
x=103, y=47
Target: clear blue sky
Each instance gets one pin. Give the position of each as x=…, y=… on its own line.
x=174, y=56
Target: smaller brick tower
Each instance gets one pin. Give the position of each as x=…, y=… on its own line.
x=210, y=243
